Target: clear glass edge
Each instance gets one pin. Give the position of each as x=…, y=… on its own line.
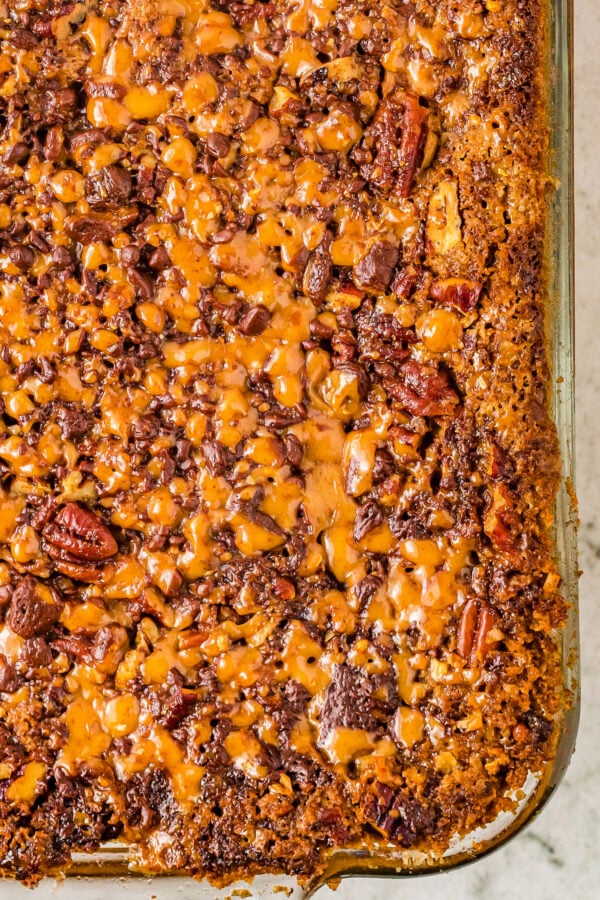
x=112, y=860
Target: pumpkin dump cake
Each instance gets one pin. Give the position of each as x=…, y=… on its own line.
x=276, y=470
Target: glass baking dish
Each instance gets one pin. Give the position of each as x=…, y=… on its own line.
x=92, y=876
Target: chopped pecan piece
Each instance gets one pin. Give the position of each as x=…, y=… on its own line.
x=218, y=457
x=74, y=420
x=368, y=517
x=178, y=702
x=57, y=105
x=407, y=281
x=111, y=186
x=9, y=680
x=501, y=520
x=458, y=292
x=317, y=273
x=397, y=815
x=425, y=390
x=105, y=650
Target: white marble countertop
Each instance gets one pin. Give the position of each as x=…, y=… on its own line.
x=559, y=855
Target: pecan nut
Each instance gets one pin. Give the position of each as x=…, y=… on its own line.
x=397, y=815
x=393, y=147
x=80, y=535
x=458, y=292
x=474, y=639
x=425, y=391
x=318, y=272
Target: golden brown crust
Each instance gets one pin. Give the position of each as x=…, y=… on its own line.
x=276, y=469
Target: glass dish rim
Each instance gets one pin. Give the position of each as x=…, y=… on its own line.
x=111, y=861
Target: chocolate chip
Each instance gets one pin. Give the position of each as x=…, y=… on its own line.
x=130, y=256
x=182, y=450
x=37, y=240
x=30, y=613
x=87, y=229
x=61, y=258
x=35, y=652
x=21, y=256
x=160, y=260
x=354, y=699
x=320, y=331
x=255, y=320
x=218, y=144
x=376, y=268
x=225, y=234
x=16, y=154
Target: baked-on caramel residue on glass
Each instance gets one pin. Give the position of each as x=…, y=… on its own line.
x=276, y=469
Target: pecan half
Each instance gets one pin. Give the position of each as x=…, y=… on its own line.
x=476, y=623
x=67, y=565
x=80, y=535
x=393, y=145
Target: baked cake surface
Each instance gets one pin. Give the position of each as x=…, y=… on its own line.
x=276, y=471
